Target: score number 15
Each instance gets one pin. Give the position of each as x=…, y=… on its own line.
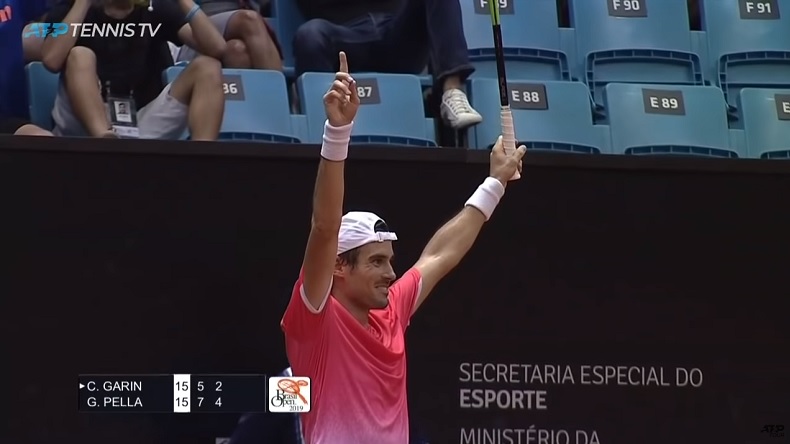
x=217, y=388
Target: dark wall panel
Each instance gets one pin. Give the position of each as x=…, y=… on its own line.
x=123, y=263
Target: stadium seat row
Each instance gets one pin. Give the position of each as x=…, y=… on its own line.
x=550, y=115
x=744, y=43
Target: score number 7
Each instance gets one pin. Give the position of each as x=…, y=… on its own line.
x=217, y=388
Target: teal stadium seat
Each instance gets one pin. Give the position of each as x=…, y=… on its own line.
x=42, y=88
x=256, y=106
x=669, y=120
x=634, y=41
x=530, y=35
x=553, y=115
x=748, y=43
x=391, y=109
x=766, y=122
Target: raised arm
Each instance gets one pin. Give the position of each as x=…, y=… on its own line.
x=341, y=103
x=55, y=50
x=451, y=243
x=199, y=33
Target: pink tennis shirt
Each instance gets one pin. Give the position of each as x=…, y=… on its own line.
x=358, y=374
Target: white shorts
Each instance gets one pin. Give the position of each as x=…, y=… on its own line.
x=163, y=118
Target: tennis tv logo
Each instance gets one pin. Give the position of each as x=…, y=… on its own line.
x=289, y=394
x=90, y=30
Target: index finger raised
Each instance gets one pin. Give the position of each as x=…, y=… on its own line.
x=343, y=62
x=498, y=147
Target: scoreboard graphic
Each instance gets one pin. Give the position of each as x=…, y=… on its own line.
x=186, y=393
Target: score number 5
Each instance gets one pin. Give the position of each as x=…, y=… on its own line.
x=217, y=388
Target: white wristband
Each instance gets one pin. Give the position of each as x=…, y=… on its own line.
x=487, y=196
x=336, y=139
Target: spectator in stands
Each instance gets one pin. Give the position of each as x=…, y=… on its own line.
x=393, y=36
x=251, y=43
x=93, y=68
x=13, y=91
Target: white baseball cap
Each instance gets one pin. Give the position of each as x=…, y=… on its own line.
x=358, y=228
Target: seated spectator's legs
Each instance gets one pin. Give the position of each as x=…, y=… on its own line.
x=422, y=30
x=31, y=130
x=31, y=45
x=195, y=98
x=251, y=29
x=79, y=108
x=429, y=28
x=441, y=37
x=20, y=127
x=318, y=41
x=236, y=55
x=251, y=43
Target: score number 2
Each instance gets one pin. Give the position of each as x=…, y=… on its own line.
x=217, y=388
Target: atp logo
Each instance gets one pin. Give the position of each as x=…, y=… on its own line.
x=42, y=30
x=91, y=30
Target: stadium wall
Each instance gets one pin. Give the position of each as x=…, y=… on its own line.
x=165, y=257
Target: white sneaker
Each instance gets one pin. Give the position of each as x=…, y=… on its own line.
x=456, y=110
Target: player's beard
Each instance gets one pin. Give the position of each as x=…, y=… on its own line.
x=382, y=296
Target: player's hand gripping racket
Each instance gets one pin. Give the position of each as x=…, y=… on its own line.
x=508, y=131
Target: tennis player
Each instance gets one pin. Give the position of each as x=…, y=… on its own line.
x=344, y=326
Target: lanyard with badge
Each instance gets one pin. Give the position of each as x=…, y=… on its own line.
x=123, y=114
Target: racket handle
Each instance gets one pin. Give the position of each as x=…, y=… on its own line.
x=509, y=135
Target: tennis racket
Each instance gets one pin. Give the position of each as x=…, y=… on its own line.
x=508, y=131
